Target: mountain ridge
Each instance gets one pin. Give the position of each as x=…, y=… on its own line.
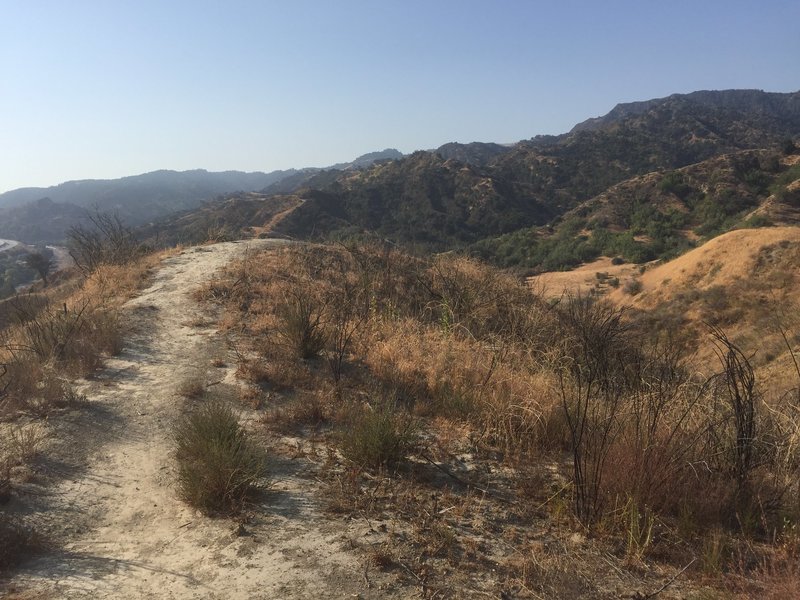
x=427, y=200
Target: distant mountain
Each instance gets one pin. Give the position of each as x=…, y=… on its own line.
x=39, y=221
x=366, y=160
x=316, y=178
x=139, y=195
x=768, y=108
x=140, y=199
x=45, y=214
x=475, y=153
x=463, y=193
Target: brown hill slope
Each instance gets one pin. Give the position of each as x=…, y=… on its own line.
x=746, y=282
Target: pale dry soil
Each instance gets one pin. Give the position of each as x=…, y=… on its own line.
x=583, y=279
x=106, y=494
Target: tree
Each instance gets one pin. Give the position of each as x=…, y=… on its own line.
x=39, y=263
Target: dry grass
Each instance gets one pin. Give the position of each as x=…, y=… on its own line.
x=219, y=465
x=25, y=441
x=489, y=373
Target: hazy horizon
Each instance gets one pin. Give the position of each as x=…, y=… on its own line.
x=99, y=91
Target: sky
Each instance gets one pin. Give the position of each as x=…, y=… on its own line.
x=105, y=89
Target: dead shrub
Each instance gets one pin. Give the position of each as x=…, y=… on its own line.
x=739, y=389
x=218, y=464
x=306, y=410
x=71, y=337
x=478, y=299
x=104, y=240
x=24, y=441
x=592, y=381
x=33, y=387
x=19, y=542
x=345, y=323
x=300, y=325
x=192, y=388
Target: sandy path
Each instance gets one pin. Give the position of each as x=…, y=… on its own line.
x=130, y=536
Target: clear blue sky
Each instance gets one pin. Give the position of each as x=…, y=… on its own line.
x=103, y=89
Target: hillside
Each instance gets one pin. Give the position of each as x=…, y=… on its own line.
x=746, y=281
x=136, y=200
x=36, y=215
x=464, y=193
x=233, y=216
x=423, y=200
x=661, y=214
x=474, y=153
x=399, y=412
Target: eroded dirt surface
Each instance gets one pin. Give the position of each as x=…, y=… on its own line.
x=111, y=496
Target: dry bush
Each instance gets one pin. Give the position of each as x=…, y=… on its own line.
x=377, y=305
x=65, y=334
x=378, y=436
x=24, y=442
x=75, y=337
x=252, y=397
x=218, y=464
x=192, y=388
x=593, y=377
x=305, y=410
x=777, y=575
x=21, y=307
x=105, y=240
x=19, y=542
x=482, y=301
x=300, y=325
x=32, y=387
x=110, y=285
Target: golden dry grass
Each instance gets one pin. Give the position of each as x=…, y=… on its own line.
x=595, y=277
x=482, y=366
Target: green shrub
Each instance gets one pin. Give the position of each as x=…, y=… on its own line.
x=379, y=436
x=757, y=221
x=218, y=464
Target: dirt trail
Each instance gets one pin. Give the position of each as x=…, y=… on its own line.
x=130, y=536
